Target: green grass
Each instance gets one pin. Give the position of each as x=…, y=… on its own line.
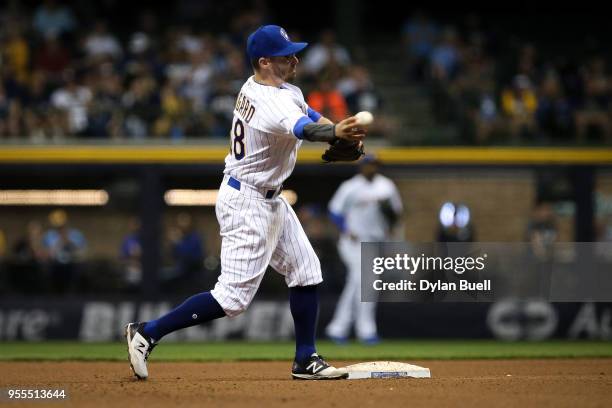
x=235, y=350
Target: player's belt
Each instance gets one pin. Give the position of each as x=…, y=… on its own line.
x=232, y=182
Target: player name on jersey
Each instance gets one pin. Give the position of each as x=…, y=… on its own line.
x=245, y=107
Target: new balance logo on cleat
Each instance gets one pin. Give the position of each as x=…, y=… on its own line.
x=139, y=348
x=316, y=368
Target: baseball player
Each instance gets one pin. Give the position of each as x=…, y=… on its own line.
x=365, y=208
x=258, y=227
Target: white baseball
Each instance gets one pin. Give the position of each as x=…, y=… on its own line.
x=364, y=118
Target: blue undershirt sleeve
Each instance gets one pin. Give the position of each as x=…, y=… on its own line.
x=314, y=115
x=338, y=220
x=298, y=129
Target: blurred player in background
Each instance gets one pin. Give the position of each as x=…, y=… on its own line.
x=258, y=226
x=365, y=208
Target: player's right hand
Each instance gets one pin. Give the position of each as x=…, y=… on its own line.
x=349, y=130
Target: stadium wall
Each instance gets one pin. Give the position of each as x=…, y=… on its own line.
x=98, y=320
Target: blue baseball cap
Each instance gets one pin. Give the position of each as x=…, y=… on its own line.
x=272, y=41
x=370, y=158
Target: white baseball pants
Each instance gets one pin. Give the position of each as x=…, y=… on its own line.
x=257, y=232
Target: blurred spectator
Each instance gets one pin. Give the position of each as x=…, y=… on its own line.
x=542, y=230
x=16, y=51
x=554, y=113
x=187, y=41
x=174, y=110
x=139, y=43
x=187, y=251
x=221, y=104
x=27, y=261
x=130, y=254
x=100, y=44
x=177, y=66
x=360, y=94
x=445, y=57
x=51, y=18
x=419, y=35
x=519, y=104
x=572, y=83
x=142, y=57
x=233, y=69
x=328, y=101
x=443, y=67
x=58, y=124
x=73, y=99
x=473, y=96
x=527, y=61
x=358, y=90
x=326, y=56
x=52, y=58
x=34, y=126
x=36, y=97
x=10, y=114
x=594, y=112
x=105, y=102
x=141, y=106
x=455, y=223
x=200, y=78
x=66, y=248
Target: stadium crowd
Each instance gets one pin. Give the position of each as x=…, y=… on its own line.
x=66, y=76
x=497, y=87
x=61, y=78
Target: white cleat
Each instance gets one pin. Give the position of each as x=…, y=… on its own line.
x=139, y=348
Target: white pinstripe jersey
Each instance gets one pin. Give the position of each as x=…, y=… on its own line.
x=263, y=148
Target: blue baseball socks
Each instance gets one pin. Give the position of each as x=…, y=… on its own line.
x=201, y=308
x=304, y=305
x=198, y=309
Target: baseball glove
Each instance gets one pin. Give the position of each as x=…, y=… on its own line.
x=388, y=212
x=342, y=150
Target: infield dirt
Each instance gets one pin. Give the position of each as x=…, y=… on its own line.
x=477, y=383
